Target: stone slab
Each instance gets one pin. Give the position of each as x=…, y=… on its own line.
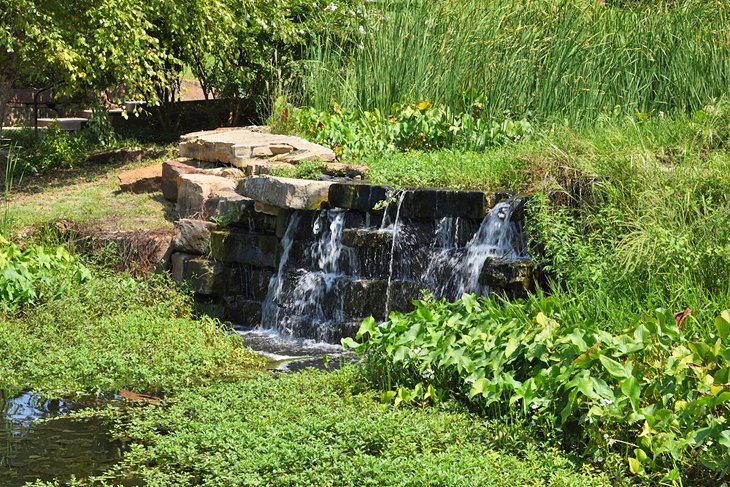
x=196, y=189
x=192, y=236
x=243, y=146
x=146, y=179
x=294, y=194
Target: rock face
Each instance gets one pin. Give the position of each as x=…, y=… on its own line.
x=295, y=194
x=143, y=180
x=244, y=147
x=196, y=189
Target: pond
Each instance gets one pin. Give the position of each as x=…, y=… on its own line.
x=32, y=449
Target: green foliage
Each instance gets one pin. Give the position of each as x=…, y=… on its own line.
x=649, y=394
x=637, y=217
x=114, y=331
x=87, y=45
x=35, y=274
x=538, y=59
x=354, y=135
x=316, y=428
x=55, y=149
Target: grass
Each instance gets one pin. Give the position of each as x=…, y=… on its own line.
x=317, y=428
x=536, y=58
x=112, y=332
x=88, y=194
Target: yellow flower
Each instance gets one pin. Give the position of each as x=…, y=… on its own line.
x=424, y=105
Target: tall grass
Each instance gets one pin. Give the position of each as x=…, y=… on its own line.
x=571, y=59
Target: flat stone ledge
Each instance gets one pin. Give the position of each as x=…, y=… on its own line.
x=294, y=194
x=244, y=146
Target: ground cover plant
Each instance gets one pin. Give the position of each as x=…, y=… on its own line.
x=111, y=331
x=327, y=428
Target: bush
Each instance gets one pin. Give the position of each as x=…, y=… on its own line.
x=55, y=149
x=649, y=395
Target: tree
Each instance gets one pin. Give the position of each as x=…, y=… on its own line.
x=87, y=45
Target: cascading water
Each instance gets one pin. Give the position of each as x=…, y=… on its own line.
x=336, y=269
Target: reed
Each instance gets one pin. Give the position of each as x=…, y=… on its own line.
x=540, y=58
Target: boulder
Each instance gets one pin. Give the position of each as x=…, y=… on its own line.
x=195, y=190
x=294, y=194
x=241, y=147
x=142, y=180
x=192, y=236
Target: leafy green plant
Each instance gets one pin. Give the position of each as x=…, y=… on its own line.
x=33, y=274
x=242, y=433
x=651, y=394
x=420, y=126
x=56, y=149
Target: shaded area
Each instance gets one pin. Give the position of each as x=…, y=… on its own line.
x=58, y=449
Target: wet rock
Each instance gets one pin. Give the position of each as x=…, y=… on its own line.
x=142, y=180
x=363, y=197
x=242, y=311
x=514, y=276
x=295, y=194
x=242, y=147
x=364, y=237
x=196, y=189
x=204, y=276
x=439, y=203
x=192, y=236
x=248, y=281
x=244, y=248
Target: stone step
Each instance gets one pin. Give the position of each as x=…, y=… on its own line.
x=64, y=123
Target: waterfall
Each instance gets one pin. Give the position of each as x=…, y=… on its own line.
x=336, y=268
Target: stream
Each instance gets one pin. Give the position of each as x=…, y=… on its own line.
x=31, y=449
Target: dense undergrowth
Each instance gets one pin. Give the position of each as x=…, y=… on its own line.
x=655, y=395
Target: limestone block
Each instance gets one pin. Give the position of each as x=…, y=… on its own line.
x=440, y=203
x=174, y=168
x=295, y=194
x=227, y=208
x=241, y=146
x=196, y=189
x=177, y=261
x=142, y=180
x=171, y=171
x=192, y=236
x=244, y=248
